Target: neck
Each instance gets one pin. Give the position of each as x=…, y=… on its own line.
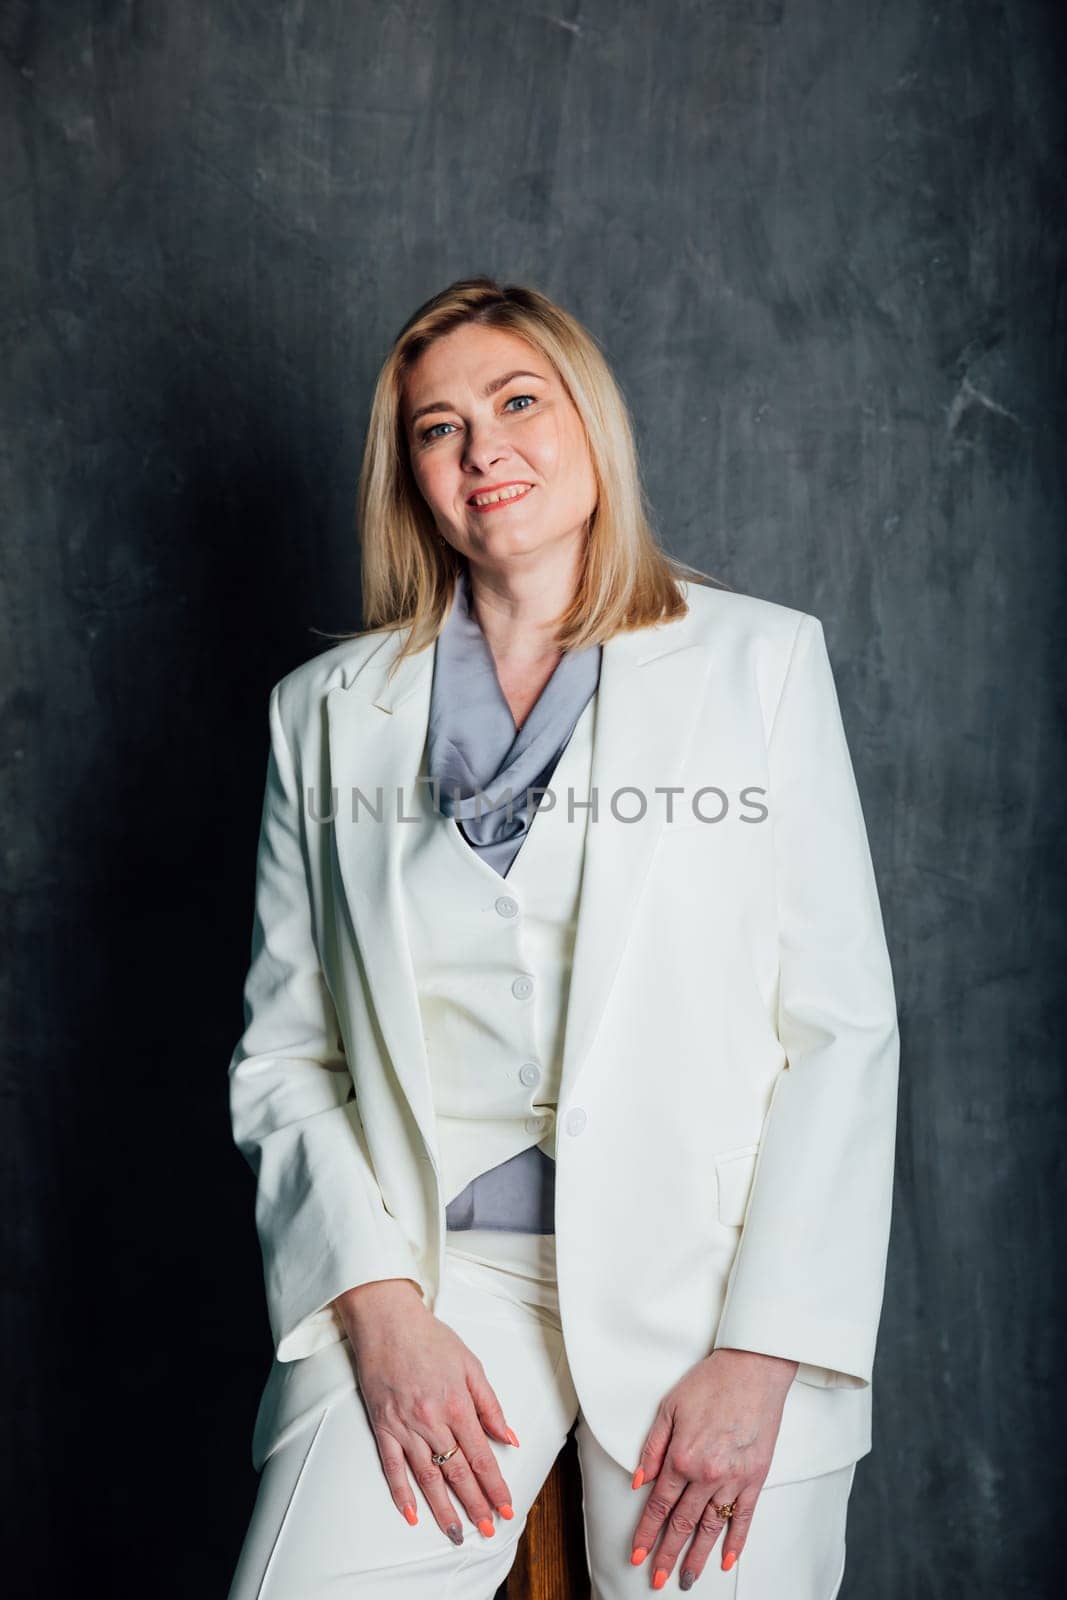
x=517, y=607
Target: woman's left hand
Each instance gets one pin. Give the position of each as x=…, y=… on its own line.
x=711, y=1443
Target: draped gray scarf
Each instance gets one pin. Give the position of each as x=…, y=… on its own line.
x=484, y=767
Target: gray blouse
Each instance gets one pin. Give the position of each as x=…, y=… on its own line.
x=478, y=759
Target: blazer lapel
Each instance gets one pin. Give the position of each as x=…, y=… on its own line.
x=651, y=684
x=650, y=690
x=376, y=730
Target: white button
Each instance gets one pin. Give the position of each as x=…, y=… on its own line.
x=507, y=906
x=535, y=1124
x=522, y=988
x=529, y=1073
x=576, y=1120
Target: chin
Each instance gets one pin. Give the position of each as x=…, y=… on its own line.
x=514, y=541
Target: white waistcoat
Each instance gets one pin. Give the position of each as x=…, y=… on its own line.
x=492, y=959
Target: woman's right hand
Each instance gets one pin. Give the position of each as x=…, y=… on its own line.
x=425, y=1391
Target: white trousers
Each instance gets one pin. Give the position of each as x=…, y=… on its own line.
x=324, y=1526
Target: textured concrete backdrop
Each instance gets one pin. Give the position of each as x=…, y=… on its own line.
x=820, y=242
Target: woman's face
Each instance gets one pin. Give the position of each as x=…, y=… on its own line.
x=494, y=413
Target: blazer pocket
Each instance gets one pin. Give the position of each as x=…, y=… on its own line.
x=734, y=1169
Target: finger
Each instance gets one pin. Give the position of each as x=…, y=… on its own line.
x=464, y=1479
x=710, y=1526
x=650, y=1461
x=430, y=1479
x=490, y=1411
x=461, y=1424
x=393, y=1465
x=478, y=1452
x=681, y=1526
x=737, y=1529
x=662, y=1499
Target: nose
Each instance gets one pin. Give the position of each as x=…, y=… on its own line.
x=484, y=447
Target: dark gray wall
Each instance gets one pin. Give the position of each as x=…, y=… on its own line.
x=821, y=243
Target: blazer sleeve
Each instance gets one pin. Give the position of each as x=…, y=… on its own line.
x=322, y=1224
x=808, y=1277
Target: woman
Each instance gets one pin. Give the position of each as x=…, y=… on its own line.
x=570, y=1067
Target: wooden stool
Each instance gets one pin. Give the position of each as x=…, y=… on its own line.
x=550, y=1563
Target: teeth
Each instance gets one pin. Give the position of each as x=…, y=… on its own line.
x=501, y=494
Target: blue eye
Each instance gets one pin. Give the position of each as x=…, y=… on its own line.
x=427, y=437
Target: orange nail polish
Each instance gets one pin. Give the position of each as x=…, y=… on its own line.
x=639, y=1478
x=486, y=1527
x=728, y=1561
x=511, y=1437
x=411, y=1514
x=506, y=1511
x=638, y=1556
x=659, y=1577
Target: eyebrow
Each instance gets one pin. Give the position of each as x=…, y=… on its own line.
x=491, y=388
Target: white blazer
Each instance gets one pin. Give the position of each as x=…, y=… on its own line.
x=727, y=1109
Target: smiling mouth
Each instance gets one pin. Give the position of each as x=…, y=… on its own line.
x=499, y=497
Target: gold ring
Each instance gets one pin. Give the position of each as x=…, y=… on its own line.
x=726, y=1511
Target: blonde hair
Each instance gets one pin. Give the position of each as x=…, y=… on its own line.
x=408, y=571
